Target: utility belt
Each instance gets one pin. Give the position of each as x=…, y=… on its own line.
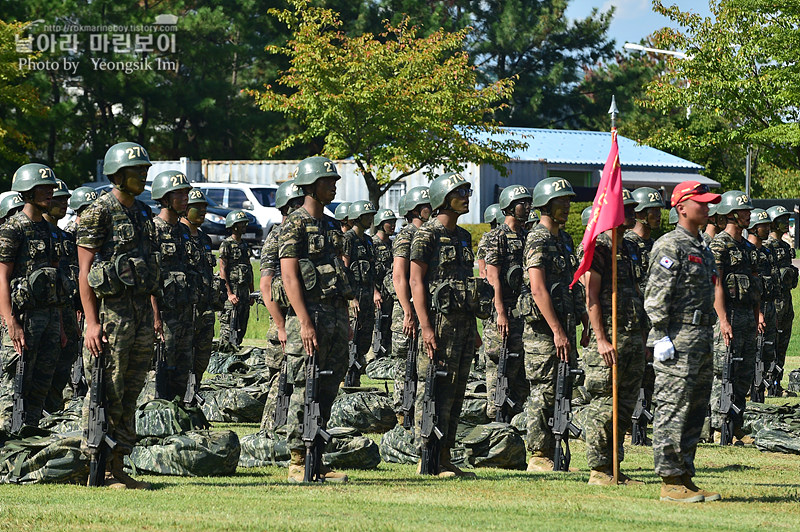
x=530, y=312
x=770, y=287
x=512, y=282
x=44, y=287
x=176, y=292
x=472, y=295
x=743, y=289
x=278, y=293
x=363, y=272
x=219, y=294
x=121, y=274
x=241, y=274
x=788, y=278
x=695, y=318
x=326, y=282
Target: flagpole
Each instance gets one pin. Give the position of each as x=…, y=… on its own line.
x=613, y=111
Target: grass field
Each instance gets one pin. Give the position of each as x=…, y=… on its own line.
x=761, y=491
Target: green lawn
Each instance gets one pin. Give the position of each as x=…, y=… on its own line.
x=761, y=491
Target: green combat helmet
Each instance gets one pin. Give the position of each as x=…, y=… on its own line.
x=286, y=192
x=401, y=206
x=196, y=196
x=341, y=211
x=122, y=155
x=734, y=200
x=533, y=217
x=312, y=168
x=10, y=202
x=235, y=217
x=444, y=185
x=673, y=216
x=491, y=213
x=61, y=190
x=550, y=188
x=31, y=175
x=82, y=197
x=627, y=198
x=360, y=207
x=415, y=197
x=511, y=194
x=712, y=209
x=167, y=181
x=647, y=198
x=776, y=211
x=384, y=215
x=758, y=216
x=585, y=215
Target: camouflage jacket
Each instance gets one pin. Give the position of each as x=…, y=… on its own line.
x=787, y=273
x=480, y=253
x=29, y=245
x=362, y=261
x=400, y=248
x=72, y=229
x=69, y=266
x=736, y=267
x=201, y=263
x=237, y=264
x=767, y=270
x=641, y=260
x=503, y=249
x=270, y=264
x=383, y=260
x=679, y=299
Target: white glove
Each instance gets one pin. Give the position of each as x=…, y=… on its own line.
x=663, y=349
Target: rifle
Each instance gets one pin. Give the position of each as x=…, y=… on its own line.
x=191, y=397
x=503, y=403
x=641, y=417
x=561, y=423
x=284, y=395
x=760, y=383
x=410, y=384
x=98, y=441
x=377, y=333
x=773, y=378
x=258, y=299
x=430, y=431
x=233, y=336
x=353, y=376
x=162, y=380
x=314, y=434
x=18, y=414
x=726, y=405
x=77, y=378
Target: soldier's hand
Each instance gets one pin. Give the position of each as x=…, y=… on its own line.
x=429, y=340
x=409, y=324
x=606, y=351
x=354, y=306
x=585, y=334
x=158, y=327
x=562, y=344
x=94, y=339
x=282, y=337
x=17, y=335
x=502, y=323
x=727, y=331
x=762, y=323
x=309, y=336
x=377, y=299
x=233, y=298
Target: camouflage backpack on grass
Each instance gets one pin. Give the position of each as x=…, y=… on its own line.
x=794, y=381
x=159, y=418
x=381, y=369
x=236, y=398
x=368, y=412
x=201, y=453
x=264, y=448
x=779, y=439
x=68, y=420
x=494, y=445
x=397, y=447
x=43, y=458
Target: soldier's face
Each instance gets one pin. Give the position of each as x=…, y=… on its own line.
x=630, y=217
x=366, y=220
x=522, y=209
x=42, y=197
x=58, y=207
x=762, y=230
x=458, y=200
x=179, y=200
x=742, y=217
x=325, y=189
x=239, y=228
x=133, y=179
x=653, y=217
x=696, y=213
x=782, y=224
x=388, y=227
x=196, y=214
x=559, y=209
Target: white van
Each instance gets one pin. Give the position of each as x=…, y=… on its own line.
x=258, y=200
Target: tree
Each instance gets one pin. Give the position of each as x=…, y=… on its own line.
x=397, y=103
x=742, y=73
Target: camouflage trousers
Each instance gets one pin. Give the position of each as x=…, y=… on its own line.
x=744, y=345
x=541, y=369
x=274, y=351
x=202, y=340
x=400, y=346
x=128, y=325
x=784, y=316
x=42, y=328
x=387, y=308
x=178, y=338
x=364, y=327
x=770, y=334
x=227, y=316
x=598, y=428
x=331, y=329
x=455, y=340
x=518, y=387
x=680, y=398
x=54, y=401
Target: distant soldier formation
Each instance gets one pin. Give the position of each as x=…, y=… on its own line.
x=703, y=314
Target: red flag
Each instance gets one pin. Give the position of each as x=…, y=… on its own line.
x=607, y=209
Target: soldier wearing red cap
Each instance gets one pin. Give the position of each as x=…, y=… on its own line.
x=679, y=301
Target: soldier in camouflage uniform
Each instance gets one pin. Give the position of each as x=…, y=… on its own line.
x=533, y=219
x=68, y=269
x=310, y=245
x=679, y=302
x=503, y=247
x=10, y=203
x=440, y=276
x=714, y=225
x=600, y=356
x=287, y=199
x=737, y=303
x=415, y=206
x=341, y=216
x=359, y=257
x=787, y=280
x=30, y=289
x=173, y=309
x=237, y=274
x=118, y=259
x=201, y=268
x=385, y=222
x=81, y=198
x=550, y=309
x=489, y=217
x=766, y=267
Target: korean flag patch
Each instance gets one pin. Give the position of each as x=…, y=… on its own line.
x=666, y=262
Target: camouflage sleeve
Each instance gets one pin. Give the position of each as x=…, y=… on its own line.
x=225, y=250
x=602, y=255
x=93, y=228
x=269, y=253
x=493, y=254
x=533, y=254
x=347, y=246
x=9, y=242
x=402, y=245
x=481, y=254
x=422, y=245
x=661, y=283
x=720, y=253
x=291, y=239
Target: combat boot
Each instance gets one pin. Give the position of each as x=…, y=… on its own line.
x=625, y=480
x=673, y=490
x=330, y=475
x=539, y=463
x=443, y=473
x=601, y=476
x=110, y=482
x=446, y=464
x=119, y=474
x=297, y=467
x=709, y=496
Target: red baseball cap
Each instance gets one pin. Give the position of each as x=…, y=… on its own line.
x=693, y=190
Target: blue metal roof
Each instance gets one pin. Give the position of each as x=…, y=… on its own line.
x=564, y=146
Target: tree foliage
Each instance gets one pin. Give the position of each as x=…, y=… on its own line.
x=395, y=102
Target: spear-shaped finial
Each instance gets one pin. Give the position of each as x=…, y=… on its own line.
x=613, y=111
